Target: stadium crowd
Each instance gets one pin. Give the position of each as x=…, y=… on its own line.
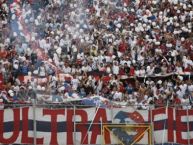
x=136, y=52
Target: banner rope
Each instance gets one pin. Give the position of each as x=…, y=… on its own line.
x=90, y=124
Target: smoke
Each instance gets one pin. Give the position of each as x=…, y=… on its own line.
x=78, y=17
x=30, y=23
x=21, y=21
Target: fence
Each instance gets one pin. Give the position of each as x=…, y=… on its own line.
x=50, y=124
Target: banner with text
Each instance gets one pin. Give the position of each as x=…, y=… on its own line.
x=84, y=126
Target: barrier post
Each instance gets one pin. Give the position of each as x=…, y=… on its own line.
x=101, y=132
x=74, y=119
x=34, y=122
x=152, y=127
x=188, y=125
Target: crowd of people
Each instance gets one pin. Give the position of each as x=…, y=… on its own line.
x=132, y=52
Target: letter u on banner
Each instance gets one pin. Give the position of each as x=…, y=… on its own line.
x=15, y=129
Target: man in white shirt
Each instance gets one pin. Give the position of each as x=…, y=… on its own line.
x=67, y=69
x=117, y=96
x=86, y=68
x=75, y=82
x=115, y=68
